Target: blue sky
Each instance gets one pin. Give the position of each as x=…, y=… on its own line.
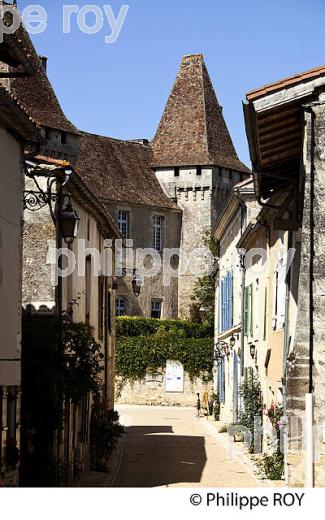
x=120, y=89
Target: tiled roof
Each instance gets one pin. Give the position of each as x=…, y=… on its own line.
x=16, y=119
x=35, y=93
x=119, y=171
x=99, y=208
x=192, y=130
x=286, y=82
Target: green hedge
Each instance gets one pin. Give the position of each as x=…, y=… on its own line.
x=131, y=327
x=135, y=356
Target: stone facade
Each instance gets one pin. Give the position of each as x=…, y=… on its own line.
x=153, y=393
x=15, y=128
x=313, y=248
x=201, y=194
x=298, y=159
x=153, y=288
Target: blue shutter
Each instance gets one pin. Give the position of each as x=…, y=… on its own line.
x=226, y=301
x=231, y=284
x=221, y=307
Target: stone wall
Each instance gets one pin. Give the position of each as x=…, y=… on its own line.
x=140, y=232
x=152, y=392
x=297, y=384
x=202, y=198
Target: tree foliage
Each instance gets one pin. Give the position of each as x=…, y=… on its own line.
x=137, y=326
x=204, y=291
x=138, y=355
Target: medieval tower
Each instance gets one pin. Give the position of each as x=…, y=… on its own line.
x=195, y=161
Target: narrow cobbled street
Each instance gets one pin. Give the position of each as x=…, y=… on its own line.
x=170, y=447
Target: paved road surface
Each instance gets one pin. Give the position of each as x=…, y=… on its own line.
x=169, y=447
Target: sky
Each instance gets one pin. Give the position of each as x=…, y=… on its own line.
x=120, y=89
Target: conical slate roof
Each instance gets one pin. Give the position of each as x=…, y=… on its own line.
x=192, y=131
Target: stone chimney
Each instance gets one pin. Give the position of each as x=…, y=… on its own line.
x=43, y=60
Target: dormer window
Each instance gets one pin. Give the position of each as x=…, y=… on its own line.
x=124, y=223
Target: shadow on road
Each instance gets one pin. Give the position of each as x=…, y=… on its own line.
x=154, y=457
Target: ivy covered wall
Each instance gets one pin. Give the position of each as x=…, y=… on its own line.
x=144, y=346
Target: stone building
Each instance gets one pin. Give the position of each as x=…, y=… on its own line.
x=17, y=129
x=231, y=226
x=121, y=177
x=49, y=171
x=279, y=301
x=195, y=161
x=86, y=293
x=284, y=123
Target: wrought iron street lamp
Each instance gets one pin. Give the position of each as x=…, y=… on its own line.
x=68, y=222
x=65, y=219
x=252, y=350
x=222, y=345
x=136, y=284
x=232, y=341
x=217, y=356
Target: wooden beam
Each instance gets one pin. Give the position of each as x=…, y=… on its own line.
x=288, y=129
x=291, y=137
x=284, y=123
x=274, y=115
x=285, y=153
x=281, y=176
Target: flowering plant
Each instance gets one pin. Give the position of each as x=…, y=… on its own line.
x=275, y=414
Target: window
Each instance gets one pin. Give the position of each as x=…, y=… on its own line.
x=124, y=223
x=226, y=302
x=176, y=171
x=156, y=307
x=12, y=412
x=248, y=311
x=120, y=307
x=158, y=233
x=279, y=296
x=101, y=307
x=83, y=416
x=88, y=290
x=88, y=229
x=265, y=315
x=199, y=170
x=63, y=138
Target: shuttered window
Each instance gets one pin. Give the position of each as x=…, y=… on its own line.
x=226, y=302
x=248, y=311
x=279, y=296
x=265, y=315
